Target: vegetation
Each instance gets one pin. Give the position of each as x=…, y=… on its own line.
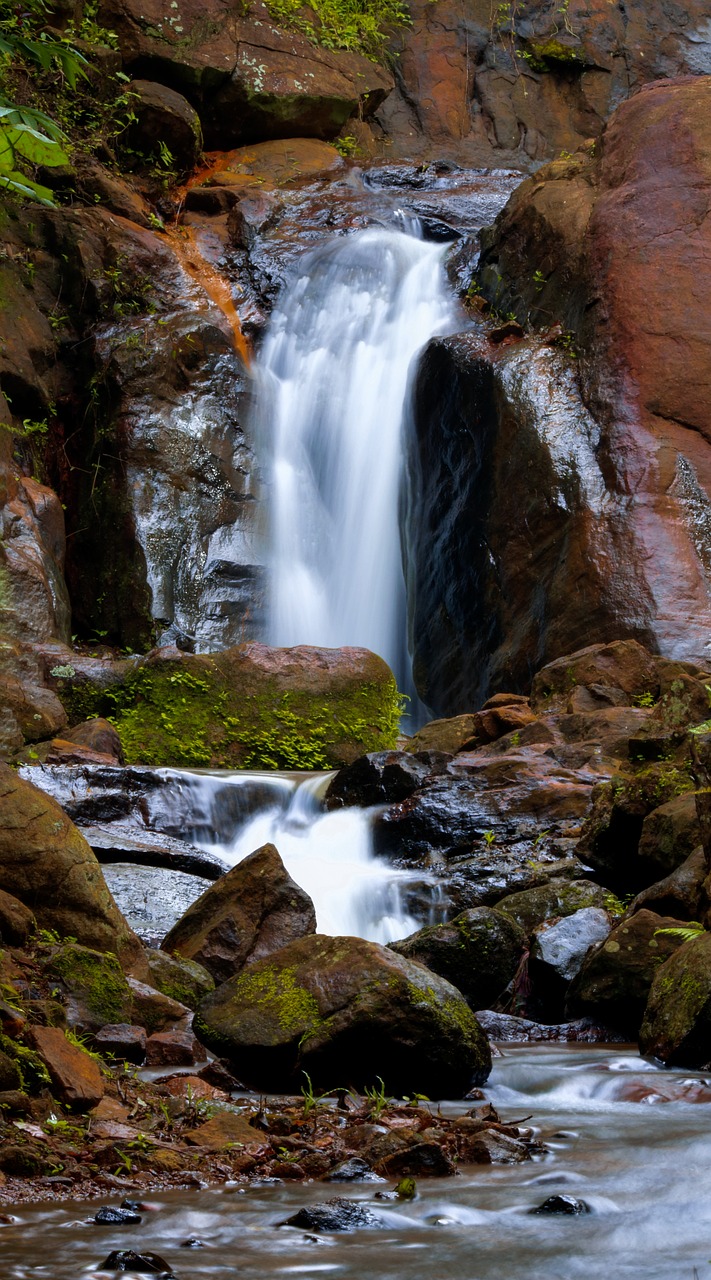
x=363, y=26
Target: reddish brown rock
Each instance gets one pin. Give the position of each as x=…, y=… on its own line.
x=122, y=1041
x=99, y=736
x=173, y=1049
x=246, y=915
x=47, y=864
x=225, y=1129
x=154, y=1010
x=16, y=921
x=75, y=1076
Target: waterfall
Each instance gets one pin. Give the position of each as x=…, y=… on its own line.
x=332, y=381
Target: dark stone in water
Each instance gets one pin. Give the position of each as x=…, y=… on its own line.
x=334, y=1215
x=143, y=1263
x=561, y=1205
x=109, y=1216
x=192, y=1243
x=354, y=1170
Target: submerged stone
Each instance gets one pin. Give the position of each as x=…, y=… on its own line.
x=561, y=1205
x=334, y=1215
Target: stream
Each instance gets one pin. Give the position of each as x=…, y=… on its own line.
x=616, y=1129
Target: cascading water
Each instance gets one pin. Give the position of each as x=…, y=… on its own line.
x=332, y=383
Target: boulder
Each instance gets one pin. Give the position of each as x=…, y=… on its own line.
x=16, y=921
x=250, y=706
x=669, y=835
x=99, y=736
x=677, y=1020
x=249, y=79
x=180, y=979
x=48, y=865
x=682, y=894
x=154, y=1010
x=173, y=1049
x=98, y=993
x=253, y=911
x=76, y=1078
x=477, y=951
x=162, y=117
x=615, y=980
x=621, y=670
x=29, y=711
x=334, y=1215
x=122, y=1041
x=558, y=950
x=383, y=777
x=452, y=735
x=345, y=1010
x=533, y=907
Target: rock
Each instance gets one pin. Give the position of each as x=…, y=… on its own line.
x=154, y=1010
x=334, y=1215
x=173, y=1049
x=162, y=116
x=617, y=227
x=95, y=982
x=249, y=913
x=225, y=1129
x=452, y=735
x=111, y=1216
x=681, y=894
x=384, y=777
x=246, y=707
x=17, y=922
x=512, y=1030
x=250, y=79
x=561, y=1204
x=489, y=1147
x=533, y=907
x=615, y=980
x=48, y=865
x=63, y=752
x=354, y=1169
x=274, y=164
x=180, y=979
x=493, y=723
x=558, y=950
x=669, y=835
x=75, y=1076
x=611, y=834
x=677, y=1020
x=125, y=843
x=477, y=951
x=141, y=1263
x=122, y=1041
x=419, y=1160
x=606, y=671
x=99, y=736
x=344, y=1009
x=10, y=1074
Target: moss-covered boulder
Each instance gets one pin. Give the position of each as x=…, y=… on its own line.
x=253, y=911
x=247, y=707
x=478, y=951
x=532, y=907
x=179, y=978
x=677, y=1021
x=614, y=983
x=346, y=1012
x=48, y=865
x=94, y=983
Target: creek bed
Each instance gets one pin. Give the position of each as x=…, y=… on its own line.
x=632, y=1141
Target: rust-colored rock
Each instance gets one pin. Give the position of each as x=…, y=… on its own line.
x=225, y=1129
x=16, y=921
x=75, y=1076
x=173, y=1049
x=98, y=735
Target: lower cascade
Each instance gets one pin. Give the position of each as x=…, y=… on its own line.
x=332, y=383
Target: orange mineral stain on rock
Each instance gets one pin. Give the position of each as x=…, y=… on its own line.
x=215, y=286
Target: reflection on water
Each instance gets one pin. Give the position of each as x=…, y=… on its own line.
x=644, y=1170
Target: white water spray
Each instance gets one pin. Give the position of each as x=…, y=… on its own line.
x=332, y=383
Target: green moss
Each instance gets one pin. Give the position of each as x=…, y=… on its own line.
x=33, y=1073
x=96, y=979
x=169, y=714
x=553, y=51
x=359, y=25
x=277, y=993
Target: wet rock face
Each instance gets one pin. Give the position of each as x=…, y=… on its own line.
x=249, y=79
x=342, y=1008
x=600, y=245
x=462, y=93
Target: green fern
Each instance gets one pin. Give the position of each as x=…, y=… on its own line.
x=686, y=932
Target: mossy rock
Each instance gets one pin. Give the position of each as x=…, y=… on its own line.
x=10, y=1074
x=247, y=707
x=179, y=978
x=346, y=1012
x=95, y=982
x=677, y=1021
x=478, y=951
x=532, y=907
x=32, y=1073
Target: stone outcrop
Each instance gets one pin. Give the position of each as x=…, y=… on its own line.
x=247, y=915
x=47, y=864
x=345, y=1010
x=249, y=79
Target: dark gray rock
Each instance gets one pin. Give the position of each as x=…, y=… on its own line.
x=334, y=1215
x=562, y=1204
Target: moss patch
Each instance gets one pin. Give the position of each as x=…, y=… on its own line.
x=96, y=980
x=279, y=996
